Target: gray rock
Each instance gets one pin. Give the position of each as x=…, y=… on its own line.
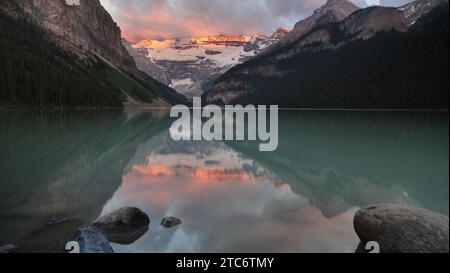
x=92, y=240
x=7, y=248
x=402, y=229
x=123, y=226
x=55, y=220
x=170, y=222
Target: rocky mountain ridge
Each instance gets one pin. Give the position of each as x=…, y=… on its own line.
x=332, y=11
x=82, y=29
x=416, y=9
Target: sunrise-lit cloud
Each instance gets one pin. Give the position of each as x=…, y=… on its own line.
x=157, y=19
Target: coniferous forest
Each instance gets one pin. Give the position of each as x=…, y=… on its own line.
x=36, y=72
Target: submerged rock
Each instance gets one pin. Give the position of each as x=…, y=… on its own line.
x=7, y=248
x=92, y=240
x=170, y=222
x=402, y=229
x=56, y=220
x=123, y=226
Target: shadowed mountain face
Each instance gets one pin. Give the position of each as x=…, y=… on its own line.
x=62, y=166
x=373, y=58
x=146, y=65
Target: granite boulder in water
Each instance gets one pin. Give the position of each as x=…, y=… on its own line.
x=402, y=229
x=123, y=226
x=170, y=222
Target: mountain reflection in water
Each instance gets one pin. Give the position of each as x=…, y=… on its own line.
x=230, y=196
x=233, y=206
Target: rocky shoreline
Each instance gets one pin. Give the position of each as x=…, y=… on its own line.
x=123, y=226
x=383, y=228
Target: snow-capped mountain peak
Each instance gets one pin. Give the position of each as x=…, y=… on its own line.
x=222, y=50
x=192, y=62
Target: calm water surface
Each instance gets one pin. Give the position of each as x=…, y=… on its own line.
x=78, y=165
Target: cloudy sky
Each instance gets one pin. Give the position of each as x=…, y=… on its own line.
x=158, y=19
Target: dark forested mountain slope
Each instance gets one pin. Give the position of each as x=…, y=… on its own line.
x=51, y=65
x=372, y=59
x=36, y=72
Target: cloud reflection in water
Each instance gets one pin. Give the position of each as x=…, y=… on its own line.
x=228, y=204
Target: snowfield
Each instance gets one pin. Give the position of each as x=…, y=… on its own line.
x=190, y=62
